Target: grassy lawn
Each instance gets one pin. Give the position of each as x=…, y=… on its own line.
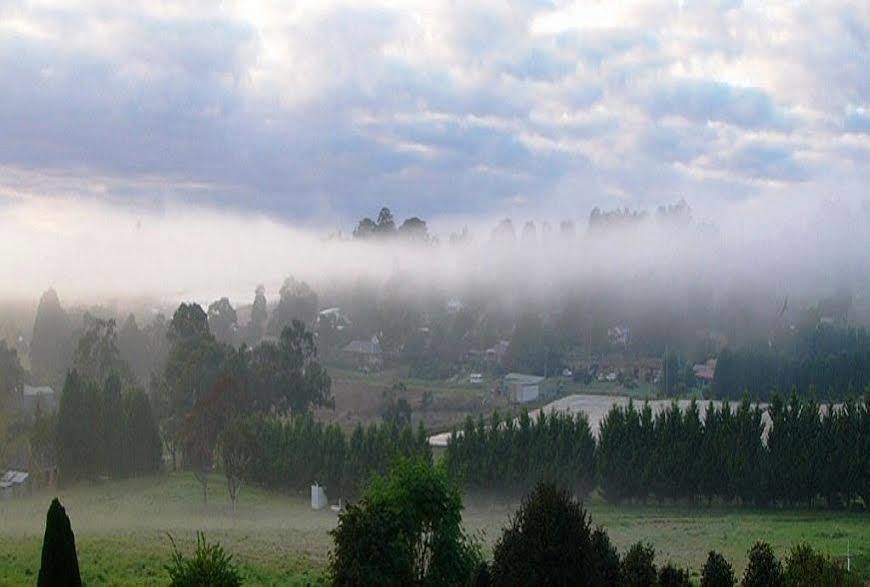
x=121, y=531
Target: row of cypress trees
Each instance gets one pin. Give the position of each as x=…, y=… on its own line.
x=810, y=455
x=510, y=454
x=760, y=371
x=291, y=453
x=104, y=431
x=805, y=454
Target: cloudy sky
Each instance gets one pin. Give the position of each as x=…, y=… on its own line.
x=319, y=112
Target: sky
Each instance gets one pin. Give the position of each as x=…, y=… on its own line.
x=317, y=113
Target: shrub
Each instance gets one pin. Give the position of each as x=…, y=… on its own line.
x=548, y=542
x=804, y=568
x=673, y=576
x=763, y=568
x=717, y=571
x=406, y=530
x=637, y=568
x=210, y=565
x=60, y=564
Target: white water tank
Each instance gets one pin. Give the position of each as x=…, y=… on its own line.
x=318, y=497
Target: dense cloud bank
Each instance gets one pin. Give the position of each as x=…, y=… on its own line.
x=332, y=108
x=92, y=253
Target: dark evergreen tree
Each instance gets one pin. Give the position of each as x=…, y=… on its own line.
x=114, y=428
x=141, y=435
x=673, y=576
x=80, y=440
x=717, y=571
x=638, y=567
x=763, y=568
x=547, y=542
x=60, y=563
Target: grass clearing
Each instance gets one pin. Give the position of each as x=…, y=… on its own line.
x=121, y=530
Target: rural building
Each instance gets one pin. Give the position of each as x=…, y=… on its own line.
x=365, y=354
x=521, y=388
x=333, y=318
x=41, y=398
x=497, y=353
x=14, y=484
x=705, y=371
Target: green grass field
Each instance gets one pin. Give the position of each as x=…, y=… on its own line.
x=121, y=531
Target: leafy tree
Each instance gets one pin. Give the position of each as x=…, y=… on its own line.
x=763, y=568
x=286, y=374
x=406, y=530
x=638, y=568
x=533, y=348
x=210, y=565
x=386, y=224
x=414, y=230
x=223, y=321
x=259, y=317
x=298, y=302
x=365, y=229
x=97, y=355
x=60, y=563
x=396, y=410
x=237, y=445
x=547, y=542
x=717, y=571
x=195, y=358
x=50, y=348
x=137, y=350
x=203, y=424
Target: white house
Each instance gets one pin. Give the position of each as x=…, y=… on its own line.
x=522, y=388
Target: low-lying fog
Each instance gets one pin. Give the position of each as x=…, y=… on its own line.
x=93, y=252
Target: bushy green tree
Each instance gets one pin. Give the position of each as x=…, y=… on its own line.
x=141, y=435
x=673, y=576
x=547, y=542
x=717, y=571
x=80, y=440
x=638, y=567
x=115, y=428
x=60, y=563
x=210, y=565
x=406, y=530
x=806, y=568
x=763, y=569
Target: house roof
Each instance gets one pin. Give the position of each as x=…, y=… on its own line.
x=522, y=378
x=363, y=347
x=30, y=390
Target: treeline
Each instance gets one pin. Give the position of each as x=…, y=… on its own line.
x=105, y=431
x=292, y=453
x=812, y=455
x=825, y=360
x=511, y=454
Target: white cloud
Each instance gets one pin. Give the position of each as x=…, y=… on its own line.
x=322, y=111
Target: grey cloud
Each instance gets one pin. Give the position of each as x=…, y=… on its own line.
x=703, y=101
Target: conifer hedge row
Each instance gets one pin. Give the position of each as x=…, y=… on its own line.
x=293, y=453
x=808, y=454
